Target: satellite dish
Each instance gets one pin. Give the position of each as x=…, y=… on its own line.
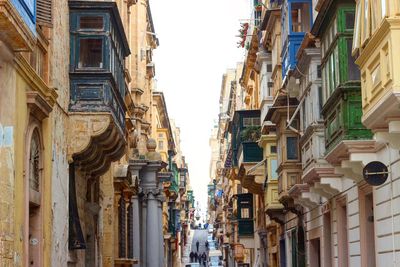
x=375, y=173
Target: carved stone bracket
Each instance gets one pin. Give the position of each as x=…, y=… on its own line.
x=94, y=142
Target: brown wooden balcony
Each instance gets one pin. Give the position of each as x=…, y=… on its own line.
x=14, y=28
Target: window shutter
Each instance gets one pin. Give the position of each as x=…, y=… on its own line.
x=43, y=12
x=130, y=231
x=122, y=227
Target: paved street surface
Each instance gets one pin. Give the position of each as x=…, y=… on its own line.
x=196, y=235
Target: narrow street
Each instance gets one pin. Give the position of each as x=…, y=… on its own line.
x=201, y=236
x=197, y=235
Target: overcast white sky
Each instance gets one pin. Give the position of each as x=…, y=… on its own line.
x=197, y=44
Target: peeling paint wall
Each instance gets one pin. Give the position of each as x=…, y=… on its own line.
x=59, y=78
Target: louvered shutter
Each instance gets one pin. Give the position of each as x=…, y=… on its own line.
x=122, y=227
x=130, y=231
x=43, y=12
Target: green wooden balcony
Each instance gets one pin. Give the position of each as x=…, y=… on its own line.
x=246, y=227
x=250, y=152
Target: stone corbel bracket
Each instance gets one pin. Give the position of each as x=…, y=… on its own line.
x=94, y=142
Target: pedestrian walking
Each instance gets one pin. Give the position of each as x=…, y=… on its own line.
x=191, y=256
x=195, y=257
x=197, y=245
x=204, y=256
x=206, y=245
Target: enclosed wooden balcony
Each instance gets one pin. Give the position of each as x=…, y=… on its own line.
x=245, y=215
x=379, y=62
x=98, y=85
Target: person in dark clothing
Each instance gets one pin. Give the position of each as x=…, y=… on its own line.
x=191, y=256
x=204, y=256
x=195, y=257
x=206, y=245
x=197, y=245
x=200, y=258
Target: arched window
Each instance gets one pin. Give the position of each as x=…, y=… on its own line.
x=34, y=236
x=34, y=162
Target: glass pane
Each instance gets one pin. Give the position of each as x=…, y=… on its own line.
x=274, y=167
x=366, y=20
x=357, y=26
x=300, y=13
x=34, y=163
x=353, y=71
x=291, y=148
x=349, y=16
x=91, y=23
x=91, y=53
x=245, y=212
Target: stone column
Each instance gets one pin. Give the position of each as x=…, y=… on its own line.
x=152, y=238
x=149, y=186
x=139, y=210
x=160, y=230
x=143, y=233
x=136, y=229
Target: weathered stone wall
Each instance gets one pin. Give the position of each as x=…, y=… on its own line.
x=59, y=78
x=7, y=157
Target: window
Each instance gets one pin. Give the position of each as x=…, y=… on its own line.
x=90, y=53
x=274, y=167
x=245, y=213
x=34, y=163
x=247, y=122
x=269, y=67
x=319, y=71
x=273, y=150
x=353, y=71
x=91, y=22
x=349, y=20
x=291, y=148
x=320, y=100
x=34, y=234
x=160, y=144
x=300, y=15
x=122, y=227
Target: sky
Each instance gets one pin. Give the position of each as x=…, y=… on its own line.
x=197, y=44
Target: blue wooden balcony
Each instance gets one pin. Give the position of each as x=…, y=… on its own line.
x=98, y=48
x=296, y=21
x=98, y=51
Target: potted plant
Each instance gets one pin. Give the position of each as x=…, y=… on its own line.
x=251, y=134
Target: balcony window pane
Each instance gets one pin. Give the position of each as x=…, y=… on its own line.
x=91, y=53
x=274, y=167
x=357, y=27
x=349, y=17
x=300, y=13
x=291, y=148
x=353, y=71
x=91, y=23
x=245, y=213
